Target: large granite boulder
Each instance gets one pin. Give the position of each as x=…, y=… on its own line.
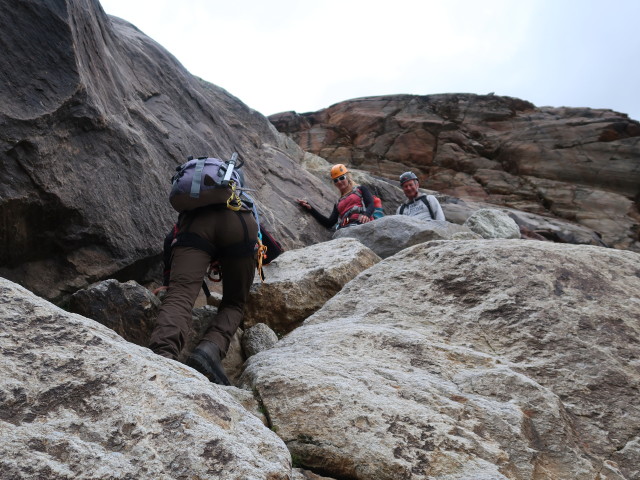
x=77, y=401
x=300, y=281
x=388, y=235
x=550, y=228
x=94, y=118
x=484, y=359
x=496, y=359
x=575, y=164
x=492, y=223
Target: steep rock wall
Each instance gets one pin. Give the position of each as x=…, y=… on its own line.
x=94, y=118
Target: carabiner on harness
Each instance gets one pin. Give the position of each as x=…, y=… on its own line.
x=234, y=202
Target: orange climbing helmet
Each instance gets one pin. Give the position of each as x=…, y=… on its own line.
x=338, y=170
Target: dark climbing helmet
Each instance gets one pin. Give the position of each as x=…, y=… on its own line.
x=406, y=176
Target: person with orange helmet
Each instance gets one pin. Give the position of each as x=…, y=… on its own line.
x=354, y=207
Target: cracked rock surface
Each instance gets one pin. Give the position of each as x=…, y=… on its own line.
x=501, y=359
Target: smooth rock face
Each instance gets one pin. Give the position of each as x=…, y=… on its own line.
x=488, y=359
x=300, y=281
x=491, y=223
x=575, y=164
x=95, y=116
x=388, y=235
x=83, y=403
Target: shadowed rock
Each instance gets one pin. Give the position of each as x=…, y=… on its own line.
x=95, y=116
x=127, y=308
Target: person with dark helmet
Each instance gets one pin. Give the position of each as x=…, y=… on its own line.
x=354, y=207
x=418, y=203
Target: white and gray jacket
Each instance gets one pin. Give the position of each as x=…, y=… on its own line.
x=421, y=204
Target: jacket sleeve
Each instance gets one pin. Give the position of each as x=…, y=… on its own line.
x=367, y=200
x=435, y=204
x=327, y=222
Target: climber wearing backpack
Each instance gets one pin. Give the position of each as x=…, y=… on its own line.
x=225, y=230
x=354, y=207
x=418, y=203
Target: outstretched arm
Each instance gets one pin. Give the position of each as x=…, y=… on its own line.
x=327, y=222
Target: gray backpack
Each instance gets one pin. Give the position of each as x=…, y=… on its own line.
x=206, y=181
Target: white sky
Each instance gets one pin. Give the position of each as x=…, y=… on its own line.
x=305, y=55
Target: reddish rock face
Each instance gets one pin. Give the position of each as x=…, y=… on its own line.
x=576, y=164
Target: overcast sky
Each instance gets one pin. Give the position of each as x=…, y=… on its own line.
x=305, y=55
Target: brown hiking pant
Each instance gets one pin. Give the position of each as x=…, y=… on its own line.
x=221, y=228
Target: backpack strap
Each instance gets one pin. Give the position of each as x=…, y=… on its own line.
x=425, y=200
x=197, y=178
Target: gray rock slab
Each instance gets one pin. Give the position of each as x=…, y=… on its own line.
x=388, y=235
x=484, y=359
x=80, y=402
x=492, y=223
x=300, y=281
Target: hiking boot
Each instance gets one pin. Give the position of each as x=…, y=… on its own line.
x=206, y=359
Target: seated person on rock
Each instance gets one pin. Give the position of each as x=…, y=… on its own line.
x=354, y=207
x=418, y=203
